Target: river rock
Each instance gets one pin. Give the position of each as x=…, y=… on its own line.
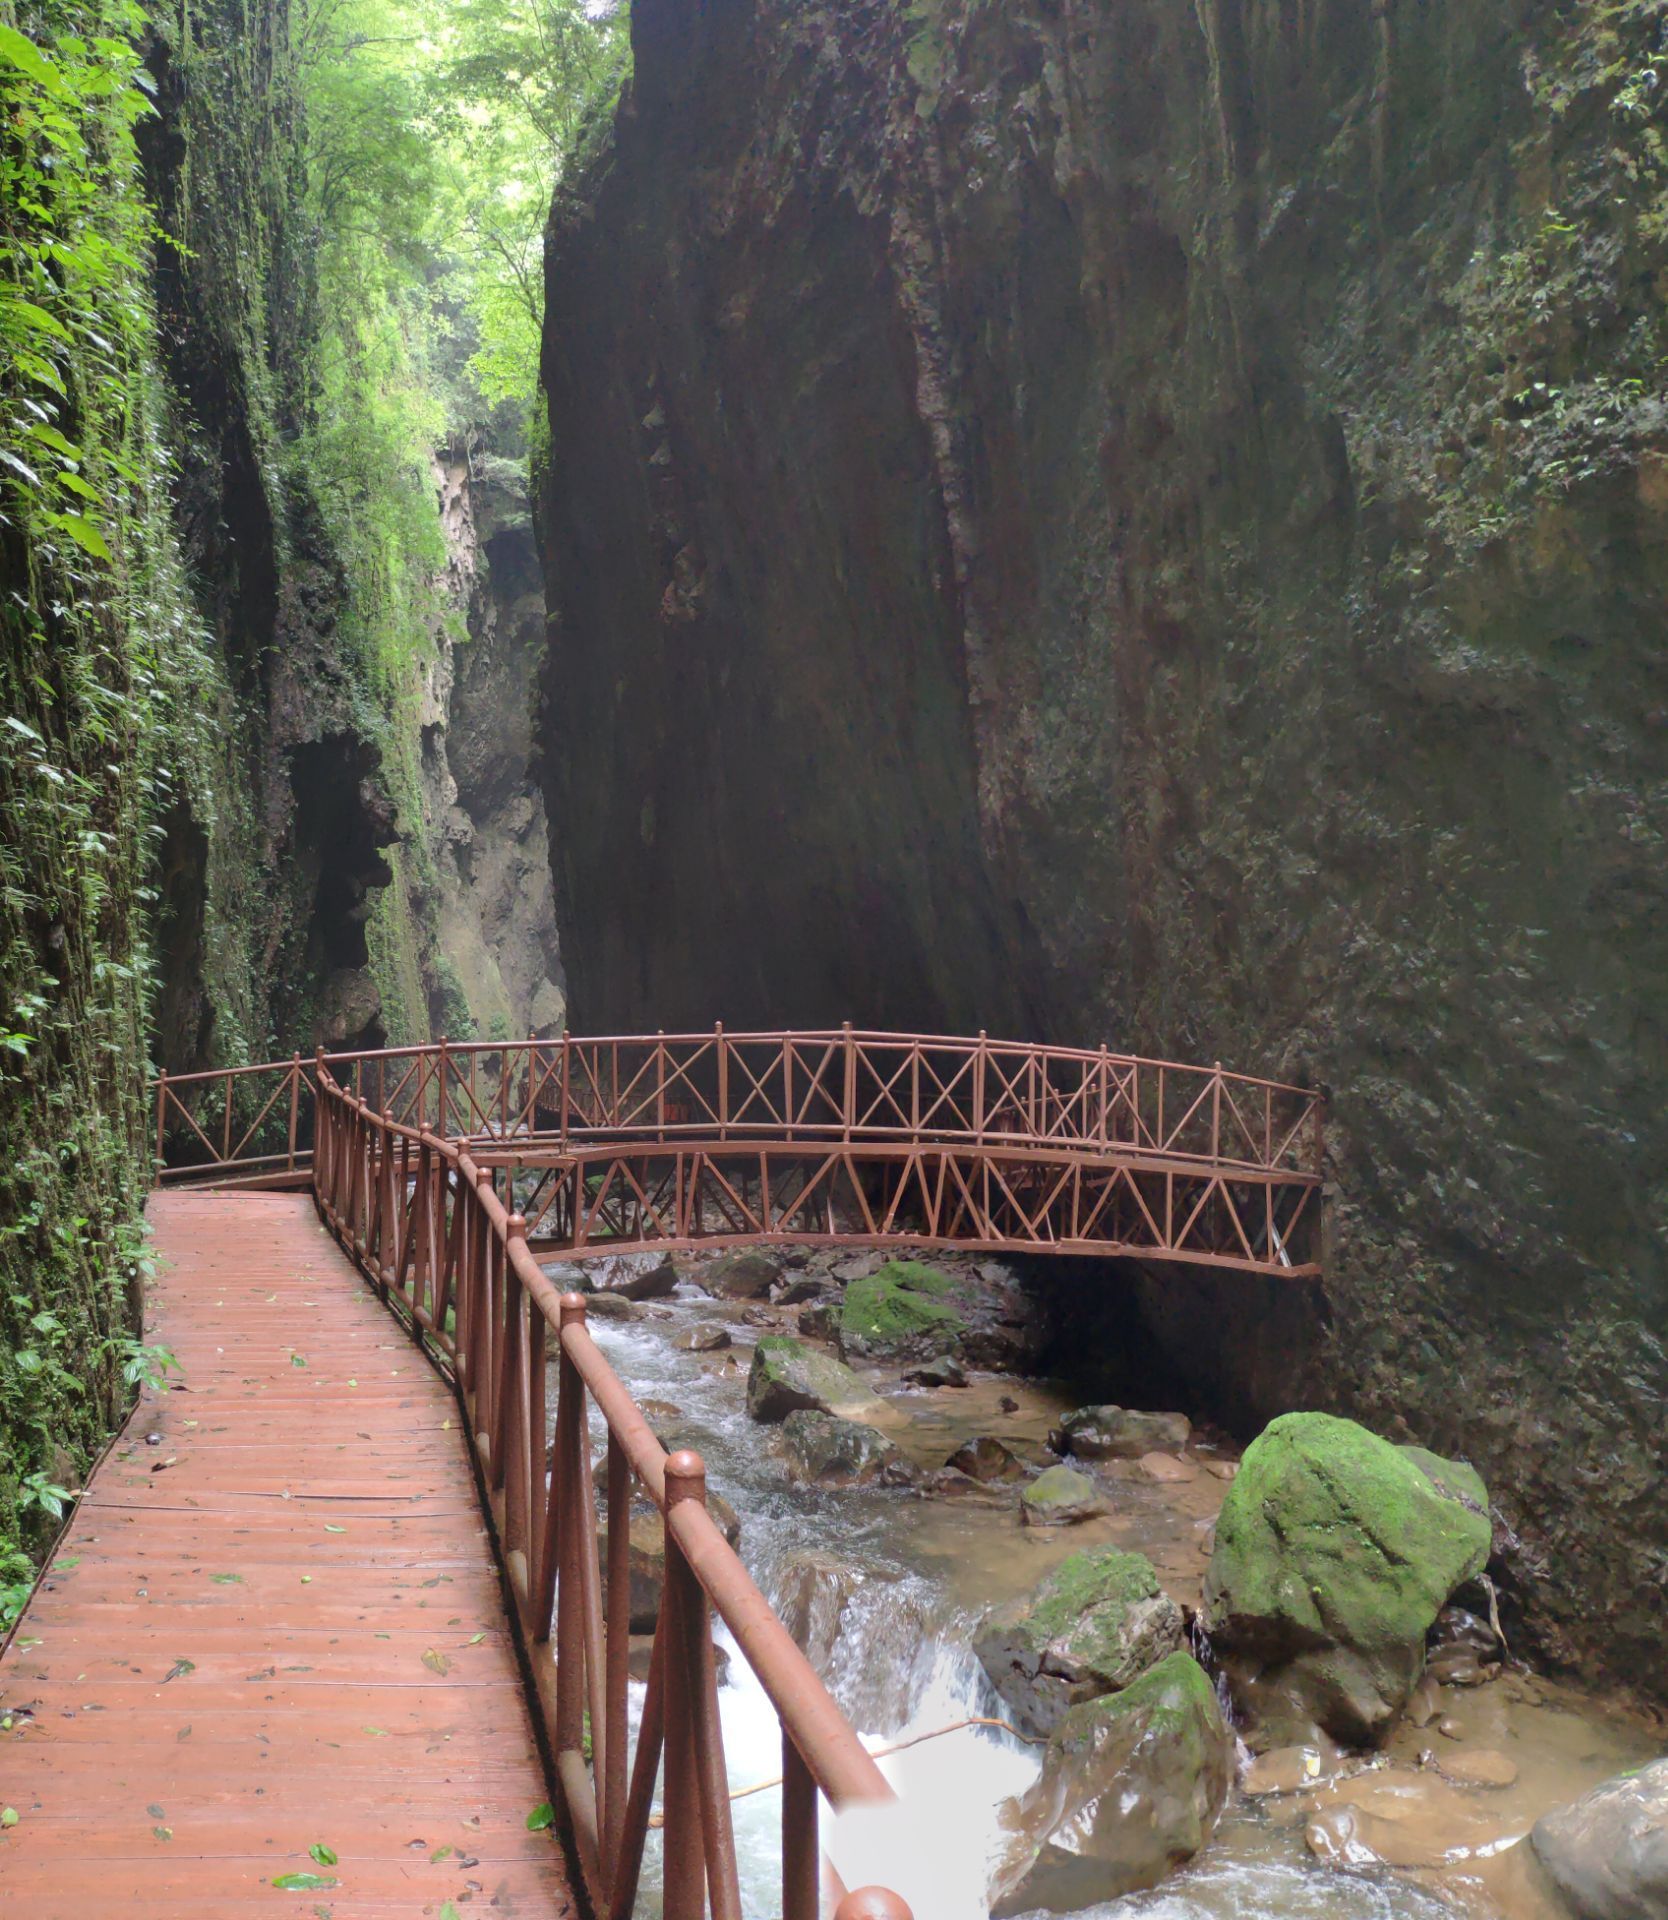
x=986, y=1459
x=648, y=1553
x=610, y=1306
x=1121, y=1433
x=1608, y=1852
x=1060, y=1497
x=741, y=1276
x=825, y=1451
x=704, y=1340
x=1167, y=1470
x=819, y=1320
x=901, y=1311
x=1334, y=1553
x=798, y=1291
x=649, y=1283
x=1131, y=1787
x=812, y=1590
x=787, y=1375
x=1096, y=1624
x=942, y=1372
x=1285, y=1770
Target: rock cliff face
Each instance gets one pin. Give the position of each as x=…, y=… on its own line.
x=484, y=813
x=1146, y=522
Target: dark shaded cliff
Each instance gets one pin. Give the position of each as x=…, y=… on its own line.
x=1146, y=523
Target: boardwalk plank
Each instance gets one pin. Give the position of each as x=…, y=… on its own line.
x=234, y=1630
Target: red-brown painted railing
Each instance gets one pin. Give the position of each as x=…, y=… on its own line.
x=841, y=1084
x=718, y=1137
x=429, y=1228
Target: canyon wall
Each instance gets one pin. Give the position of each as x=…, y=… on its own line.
x=1146, y=523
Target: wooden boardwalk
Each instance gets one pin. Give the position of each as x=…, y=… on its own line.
x=277, y=1627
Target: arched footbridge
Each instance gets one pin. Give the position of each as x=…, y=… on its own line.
x=287, y=1639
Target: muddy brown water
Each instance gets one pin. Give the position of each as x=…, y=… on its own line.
x=916, y=1575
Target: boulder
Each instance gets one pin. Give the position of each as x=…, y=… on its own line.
x=1121, y=1433
x=788, y=1375
x=650, y=1283
x=986, y=1459
x=704, y=1340
x=1334, y=1554
x=648, y=1553
x=813, y=1588
x=1060, y=1497
x=741, y=1276
x=1131, y=1787
x=1608, y=1852
x=825, y=1451
x=606, y=1306
x=1096, y=1624
x=797, y=1292
x=942, y=1372
x=819, y=1320
x=899, y=1312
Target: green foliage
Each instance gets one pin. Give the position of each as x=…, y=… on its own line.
x=107, y=701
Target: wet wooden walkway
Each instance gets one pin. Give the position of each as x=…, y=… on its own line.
x=275, y=1624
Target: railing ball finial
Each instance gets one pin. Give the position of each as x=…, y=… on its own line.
x=686, y=1478
x=573, y=1309
x=873, y=1903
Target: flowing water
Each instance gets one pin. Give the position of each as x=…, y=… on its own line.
x=885, y=1589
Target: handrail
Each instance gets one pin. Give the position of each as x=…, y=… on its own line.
x=427, y=1225
x=841, y=1084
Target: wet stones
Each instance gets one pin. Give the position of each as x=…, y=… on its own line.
x=703, y=1340
x=1608, y=1852
x=653, y=1283
x=1335, y=1552
x=788, y=1376
x=1060, y=1497
x=942, y=1372
x=1402, y=1818
x=1120, y=1433
x=1131, y=1787
x=986, y=1459
x=825, y=1451
x=741, y=1276
x=1095, y=1625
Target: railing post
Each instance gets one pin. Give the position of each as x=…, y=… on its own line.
x=801, y=1853
x=685, y=1850
x=161, y=1098
x=567, y=1073
x=723, y=1083
x=848, y=1098
x=1216, y=1113
x=440, y=1122
x=660, y=1085
x=981, y=1060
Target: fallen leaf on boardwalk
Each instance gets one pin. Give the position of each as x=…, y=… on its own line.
x=542, y=1816
x=476, y=1639
x=179, y=1670
x=8, y=1816
x=227, y=1579
x=330, y=1529
x=448, y=1911
x=298, y=1359
x=163, y=1833
x=436, y=1662
x=439, y=1854
x=304, y=1882
x=325, y=1856
x=377, y=1733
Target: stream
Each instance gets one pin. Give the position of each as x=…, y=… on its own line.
x=885, y=1588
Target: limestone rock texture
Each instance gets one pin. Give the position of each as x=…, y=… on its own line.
x=1144, y=523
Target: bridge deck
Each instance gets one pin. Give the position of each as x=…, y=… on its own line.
x=279, y=1627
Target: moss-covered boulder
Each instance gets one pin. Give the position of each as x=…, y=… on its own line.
x=1096, y=1624
x=902, y=1311
x=1131, y=1787
x=825, y=1451
x=1060, y=1498
x=1335, y=1552
x=787, y=1375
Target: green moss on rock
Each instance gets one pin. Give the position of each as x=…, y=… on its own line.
x=1335, y=1550
x=900, y=1312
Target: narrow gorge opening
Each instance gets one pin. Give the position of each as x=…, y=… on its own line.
x=1130, y=537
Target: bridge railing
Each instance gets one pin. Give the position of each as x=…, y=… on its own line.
x=226, y=1123
x=430, y=1229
